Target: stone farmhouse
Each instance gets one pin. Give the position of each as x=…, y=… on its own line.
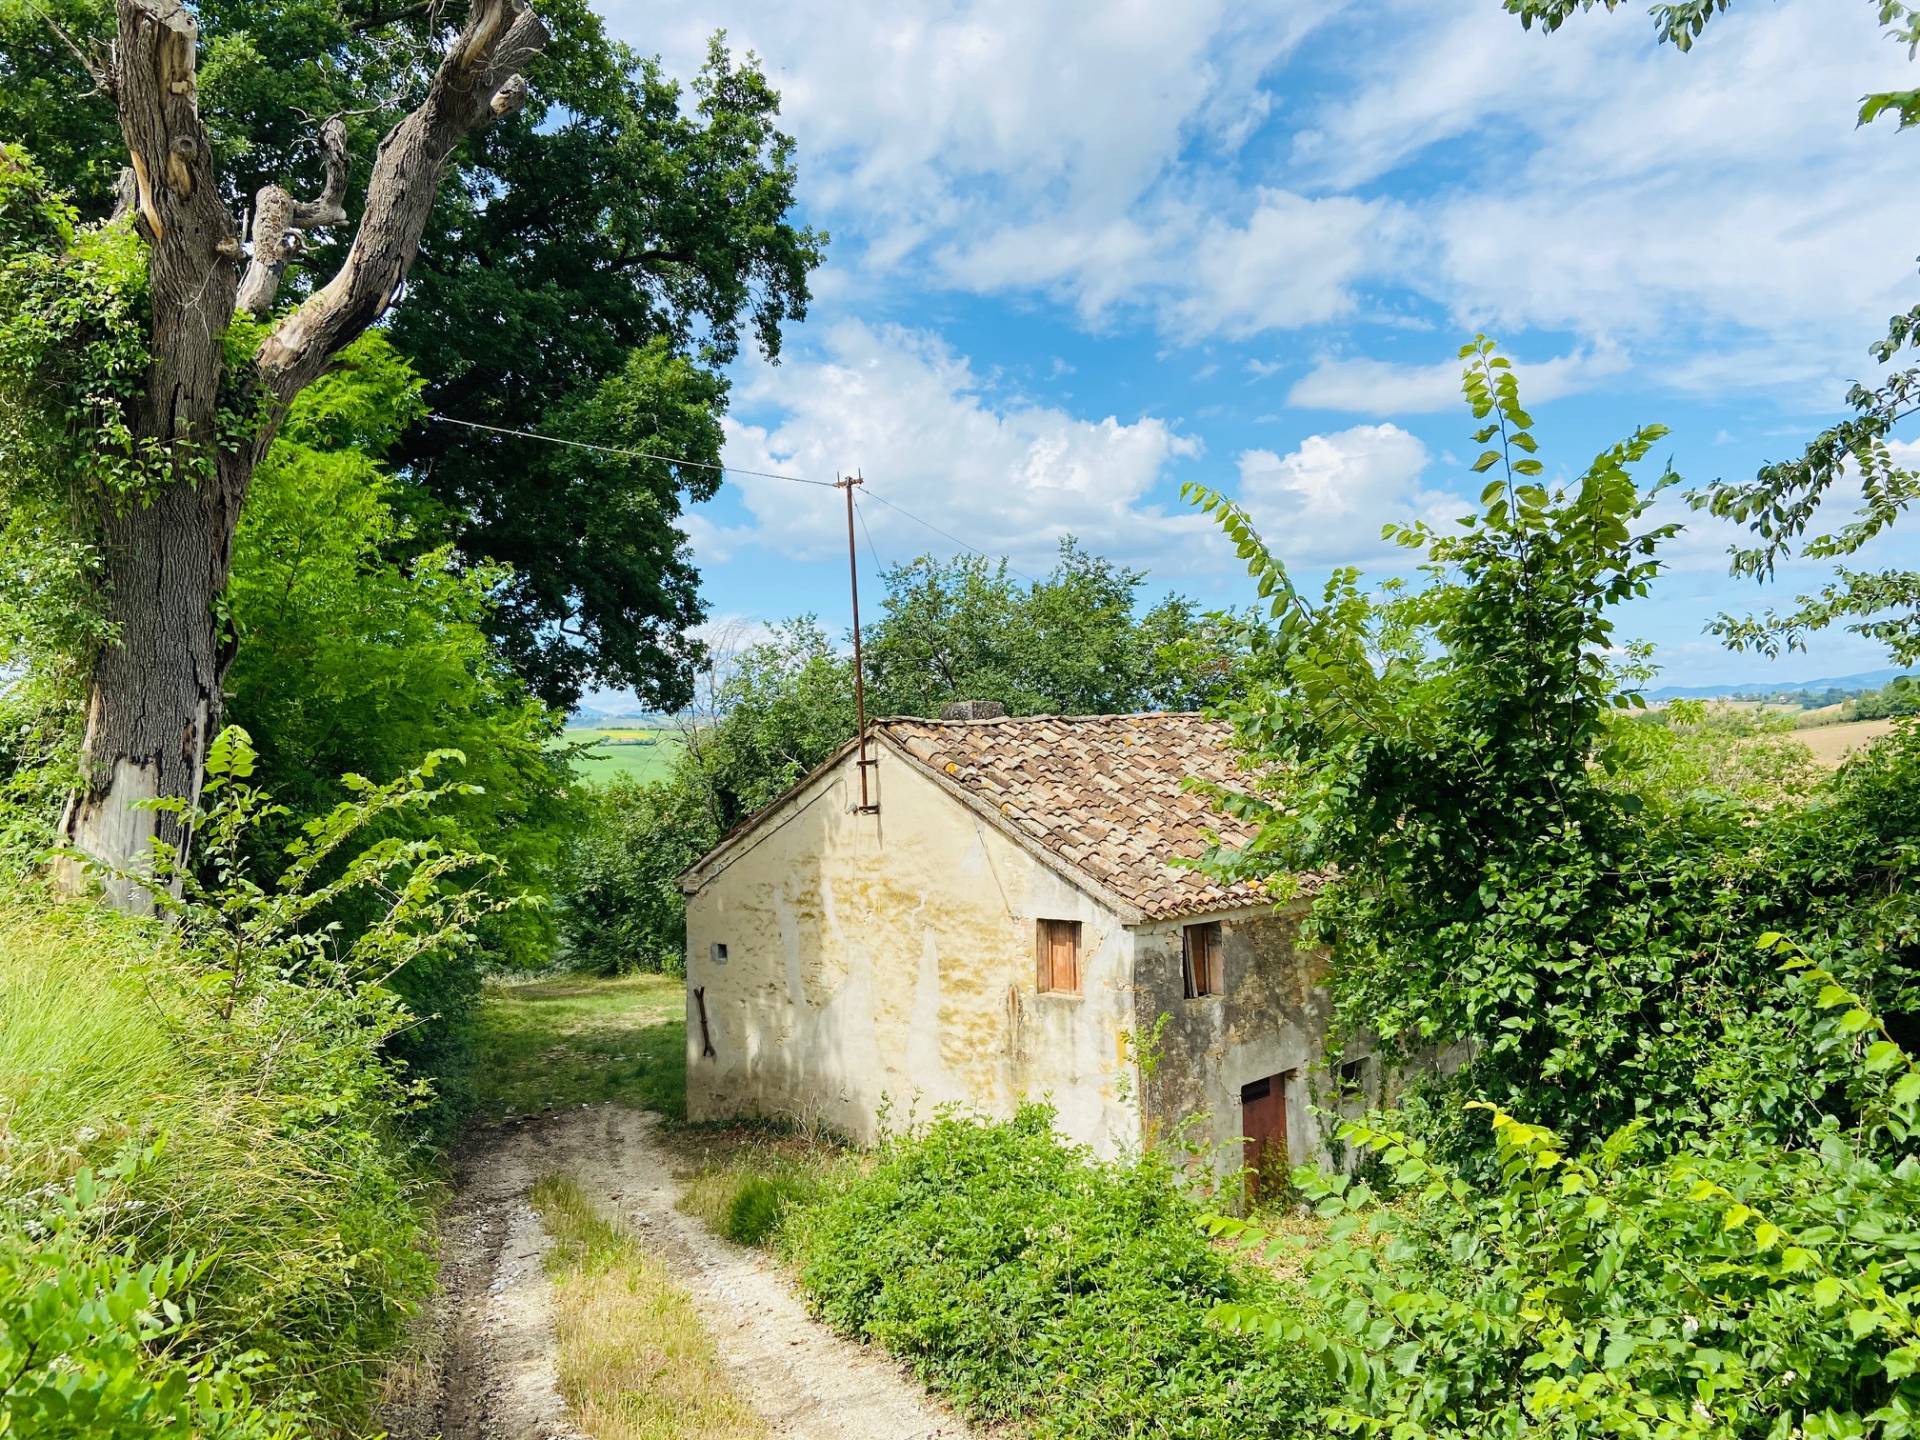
x=981, y=910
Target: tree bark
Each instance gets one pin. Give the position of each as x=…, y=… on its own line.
x=156, y=693
x=155, y=699
x=280, y=223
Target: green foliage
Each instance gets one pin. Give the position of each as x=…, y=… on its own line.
x=1069, y=644
x=1725, y=1288
x=1898, y=697
x=783, y=705
x=1518, y=868
x=664, y=213
x=1029, y=1282
x=1679, y=22
x=427, y=896
x=88, y=1336
x=49, y=625
x=73, y=323
x=1691, y=758
x=664, y=220
x=1442, y=755
x=249, y=1056
x=352, y=661
x=590, y=536
x=623, y=909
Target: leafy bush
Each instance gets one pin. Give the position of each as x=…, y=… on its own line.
x=1517, y=870
x=623, y=910
x=1899, y=696
x=1028, y=1281
x=89, y=1337
x=356, y=653
x=1714, y=1285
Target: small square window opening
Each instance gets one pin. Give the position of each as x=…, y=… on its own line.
x=719, y=953
x=1352, y=1082
x=1201, y=962
x=1057, y=957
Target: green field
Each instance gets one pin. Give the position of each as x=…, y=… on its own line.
x=635, y=752
x=553, y=1043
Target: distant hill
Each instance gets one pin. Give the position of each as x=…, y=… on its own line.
x=1779, y=689
x=591, y=716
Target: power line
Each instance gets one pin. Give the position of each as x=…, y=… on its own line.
x=729, y=470
x=946, y=534
x=631, y=454
x=872, y=553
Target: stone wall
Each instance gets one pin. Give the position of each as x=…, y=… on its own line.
x=889, y=960
x=1270, y=1020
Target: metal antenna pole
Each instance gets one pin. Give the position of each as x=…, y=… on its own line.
x=863, y=764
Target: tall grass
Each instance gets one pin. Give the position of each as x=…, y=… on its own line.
x=277, y=1155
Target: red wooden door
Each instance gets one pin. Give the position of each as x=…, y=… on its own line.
x=1263, y=1121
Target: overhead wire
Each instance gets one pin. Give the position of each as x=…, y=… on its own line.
x=949, y=535
x=629, y=453
x=873, y=552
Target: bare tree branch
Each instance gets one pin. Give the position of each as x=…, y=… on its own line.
x=405, y=12
x=280, y=223
x=191, y=271
x=478, y=80
x=95, y=64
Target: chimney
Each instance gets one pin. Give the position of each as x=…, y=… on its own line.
x=973, y=710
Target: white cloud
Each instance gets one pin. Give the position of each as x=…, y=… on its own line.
x=915, y=118
x=1267, y=260
x=1325, y=501
x=932, y=437
x=1721, y=201
x=713, y=543
x=1718, y=210
x=1380, y=387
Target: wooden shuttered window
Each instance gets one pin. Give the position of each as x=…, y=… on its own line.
x=1057, y=956
x=1201, y=960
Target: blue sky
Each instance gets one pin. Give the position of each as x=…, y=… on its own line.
x=1082, y=253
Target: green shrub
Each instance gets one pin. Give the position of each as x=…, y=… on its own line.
x=623, y=910
x=92, y=1340
x=280, y=1166
x=1705, y=1286
x=1028, y=1281
x=248, y=1052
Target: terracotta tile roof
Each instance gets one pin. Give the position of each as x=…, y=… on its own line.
x=1102, y=792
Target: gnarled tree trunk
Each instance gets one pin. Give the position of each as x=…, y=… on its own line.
x=155, y=699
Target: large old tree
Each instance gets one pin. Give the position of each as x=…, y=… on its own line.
x=216, y=388
x=592, y=264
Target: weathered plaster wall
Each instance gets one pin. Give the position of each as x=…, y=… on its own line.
x=1270, y=1020
x=890, y=958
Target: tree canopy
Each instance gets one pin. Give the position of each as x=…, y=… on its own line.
x=600, y=254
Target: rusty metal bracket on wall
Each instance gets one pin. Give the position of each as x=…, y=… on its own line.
x=706, y=1038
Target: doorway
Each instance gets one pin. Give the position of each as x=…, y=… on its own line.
x=1263, y=1123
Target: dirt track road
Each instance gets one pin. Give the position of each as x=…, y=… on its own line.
x=495, y=1377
